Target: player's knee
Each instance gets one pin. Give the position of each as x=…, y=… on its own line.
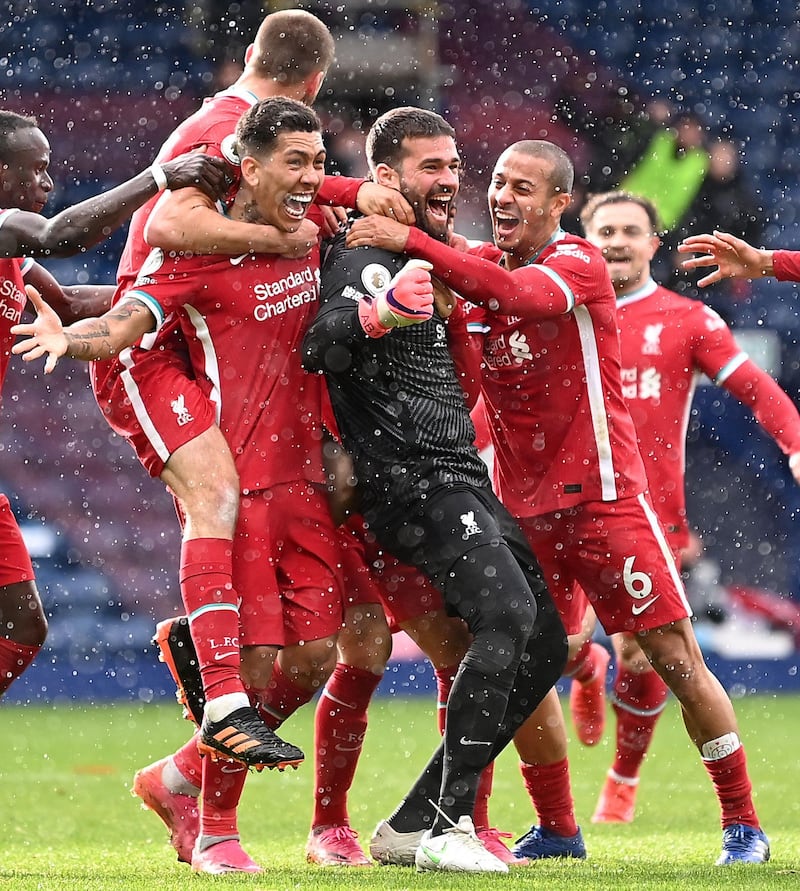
x=494, y=652
x=311, y=663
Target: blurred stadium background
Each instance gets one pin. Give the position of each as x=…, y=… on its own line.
x=108, y=80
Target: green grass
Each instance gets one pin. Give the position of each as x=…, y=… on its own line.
x=69, y=822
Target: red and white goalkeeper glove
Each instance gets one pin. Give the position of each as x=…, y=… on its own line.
x=408, y=301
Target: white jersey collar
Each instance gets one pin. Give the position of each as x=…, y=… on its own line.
x=646, y=290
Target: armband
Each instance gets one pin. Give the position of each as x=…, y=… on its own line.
x=157, y=172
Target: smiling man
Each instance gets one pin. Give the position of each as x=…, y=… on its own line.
x=567, y=464
x=668, y=342
x=243, y=323
x=425, y=495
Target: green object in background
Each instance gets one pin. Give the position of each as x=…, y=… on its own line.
x=670, y=179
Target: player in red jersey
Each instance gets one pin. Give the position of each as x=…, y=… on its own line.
x=735, y=258
x=245, y=353
x=667, y=342
x=149, y=396
x=567, y=462
x=25, y=184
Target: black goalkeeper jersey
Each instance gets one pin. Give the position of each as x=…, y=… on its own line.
x=397, y=400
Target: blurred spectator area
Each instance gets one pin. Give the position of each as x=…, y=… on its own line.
x=108, y=81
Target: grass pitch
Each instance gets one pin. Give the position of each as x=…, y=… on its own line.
x=69, y=821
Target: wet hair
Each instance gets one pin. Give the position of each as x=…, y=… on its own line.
x=261, y=125
x=11, y=123
x=291, y=45
x=385, y=138
x=562, y=176
x=595, y=202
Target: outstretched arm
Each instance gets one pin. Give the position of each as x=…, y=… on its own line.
x=96, y=338
x=733, y=257
x=528, y=291
x=71, y=302
x=83, y=225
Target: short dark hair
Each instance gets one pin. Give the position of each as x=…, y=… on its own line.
x=618, y=196
x=291, y=45
x=562, y=178
x=385, y=138
x=11, y=123
x=261, y=125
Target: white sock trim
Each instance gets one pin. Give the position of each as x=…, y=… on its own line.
x=624, y=781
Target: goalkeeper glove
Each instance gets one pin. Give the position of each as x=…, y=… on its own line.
x=408, y=301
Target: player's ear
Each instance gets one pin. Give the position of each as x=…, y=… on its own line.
x=313, y=86
x=387, y=176
x=251, y=171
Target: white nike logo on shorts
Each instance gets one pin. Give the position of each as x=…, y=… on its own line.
x=638, y=608
x=473, y=742
x=219, y=656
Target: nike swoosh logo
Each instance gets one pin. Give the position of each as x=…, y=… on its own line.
x=638, y=608
x=432, y=855
x=233, y=768
x=235, y=261
x=219, y=656
x=473, y=742
x=347, y=748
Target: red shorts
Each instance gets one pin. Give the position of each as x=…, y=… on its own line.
x=371, y=575
x=15, y=561
x=150, y=398
x=618, y=554
x=286, y=566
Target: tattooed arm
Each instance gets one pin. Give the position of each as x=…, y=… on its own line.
x=95, y=338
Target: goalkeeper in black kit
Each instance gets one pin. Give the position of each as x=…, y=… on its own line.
x=380, y=337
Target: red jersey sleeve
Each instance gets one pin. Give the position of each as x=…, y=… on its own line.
x=339, y=191
x=533, y=291
x=786, y=265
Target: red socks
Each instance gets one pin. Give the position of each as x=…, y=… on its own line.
x=580, y=667
x=212, y=605
x=638, y=701
x=340, y=724
x=223, y=782
x=733, y=788
x=280, y=700
x=551, y=793
x=14, y=659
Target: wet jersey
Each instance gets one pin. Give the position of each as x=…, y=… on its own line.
x=551, y=383
x=668, y=342
x=13, y=298
x=786, y=265
x=243, y=320
x=397, y=401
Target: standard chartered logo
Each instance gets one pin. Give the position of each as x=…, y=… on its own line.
x=282, y=295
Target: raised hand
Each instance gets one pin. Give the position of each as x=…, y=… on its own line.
x=733, y=257
x=45, y=334
x=407, y=301
x=373, y=198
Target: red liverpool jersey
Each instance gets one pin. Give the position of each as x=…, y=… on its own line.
x=562, y=432
x=667, y=342
x=12, y=299
x=243, y=319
